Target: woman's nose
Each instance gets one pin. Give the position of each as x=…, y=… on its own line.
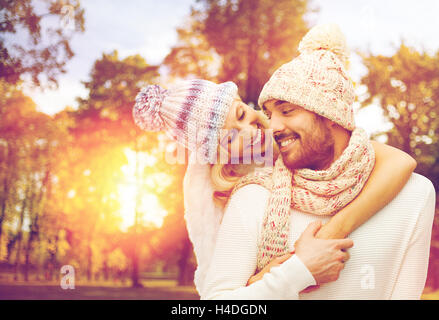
x=254, y=120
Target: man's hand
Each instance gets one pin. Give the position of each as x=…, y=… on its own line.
x=323, y=258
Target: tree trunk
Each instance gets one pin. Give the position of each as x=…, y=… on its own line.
x=27, y=200
x=185, y=275
x=5, y=194
x=251, y=95
x=19, y=241
x=33, y=234
x=135, y=283
x=10, y=245
x=34, y=228
x=105, y=266
x=90, y=262
x=52, y=260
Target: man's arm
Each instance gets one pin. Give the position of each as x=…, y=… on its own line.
x=411, y=278
x=235, y=255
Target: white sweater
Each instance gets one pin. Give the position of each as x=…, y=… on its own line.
x=389, y=259
x=202, y=217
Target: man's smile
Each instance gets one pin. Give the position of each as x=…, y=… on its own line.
x=286, y=142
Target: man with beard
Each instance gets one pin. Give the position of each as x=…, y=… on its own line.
x=325, y=162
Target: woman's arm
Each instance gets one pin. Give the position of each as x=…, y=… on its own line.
x=391, y=172
x=202, y=217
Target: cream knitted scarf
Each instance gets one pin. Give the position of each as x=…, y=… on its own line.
x=322, y=192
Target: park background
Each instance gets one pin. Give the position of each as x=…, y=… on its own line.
x=81, y=185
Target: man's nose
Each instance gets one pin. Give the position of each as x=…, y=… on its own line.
x=276, y=124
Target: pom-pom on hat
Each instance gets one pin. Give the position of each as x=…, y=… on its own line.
x=192, y=112
x=317, y=79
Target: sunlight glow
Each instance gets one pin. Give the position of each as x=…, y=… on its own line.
x=149, y=208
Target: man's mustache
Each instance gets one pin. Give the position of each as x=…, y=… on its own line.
x=278, y=137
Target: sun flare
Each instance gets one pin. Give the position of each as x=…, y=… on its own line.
x=149, y=208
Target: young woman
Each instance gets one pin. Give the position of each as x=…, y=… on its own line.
x=200, y=115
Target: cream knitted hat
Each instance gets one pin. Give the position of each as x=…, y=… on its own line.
x=316, y=80
x=191, y=112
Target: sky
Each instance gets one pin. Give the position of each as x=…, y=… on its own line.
x=149, y=28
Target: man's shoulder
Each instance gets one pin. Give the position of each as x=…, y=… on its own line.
x=417, y=195
x=418, y=186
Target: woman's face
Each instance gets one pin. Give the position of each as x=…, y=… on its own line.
x=245, y=132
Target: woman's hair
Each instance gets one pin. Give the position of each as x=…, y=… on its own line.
x=224, y=176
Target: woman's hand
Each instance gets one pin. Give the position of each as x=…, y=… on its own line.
x=273, y=263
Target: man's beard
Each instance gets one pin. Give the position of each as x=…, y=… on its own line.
x=314, y=149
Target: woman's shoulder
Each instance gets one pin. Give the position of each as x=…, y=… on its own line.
x=251, y=194
x=248, y=205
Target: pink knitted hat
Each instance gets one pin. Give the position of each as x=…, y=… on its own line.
x=317, y=79
x=192, y=112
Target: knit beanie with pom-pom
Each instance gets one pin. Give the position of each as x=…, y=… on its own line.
x=316, y=80
x=191, y=112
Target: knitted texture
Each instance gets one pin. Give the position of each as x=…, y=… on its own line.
x=393, y=246
x=322, y=192
x=316, y=80
x=146, y=112
x=327, y=191
x=191, y=112
x=261, y=176
x=275, y=227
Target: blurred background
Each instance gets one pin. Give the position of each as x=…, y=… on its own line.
x=81, y=185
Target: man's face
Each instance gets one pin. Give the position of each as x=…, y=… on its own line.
x=304, y=139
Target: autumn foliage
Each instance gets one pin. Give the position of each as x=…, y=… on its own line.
x=88, y=188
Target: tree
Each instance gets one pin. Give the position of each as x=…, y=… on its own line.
x=35, y=44
x=14, y=106
x=107, y=113
x=113, y=86
x=192, y=56
x=28, y=141
x=171, y=198
x=406, y=86
x=251, y=38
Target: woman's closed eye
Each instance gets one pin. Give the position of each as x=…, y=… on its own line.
x=241, y=114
